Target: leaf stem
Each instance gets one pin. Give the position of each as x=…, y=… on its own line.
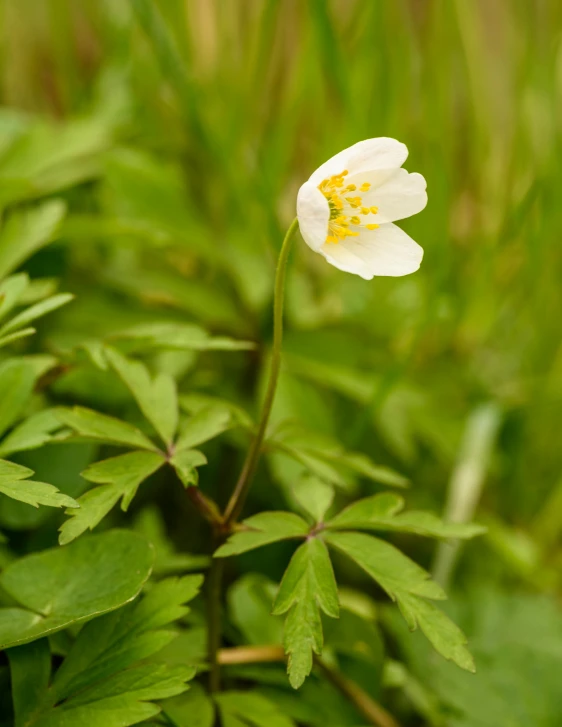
x=240, y=493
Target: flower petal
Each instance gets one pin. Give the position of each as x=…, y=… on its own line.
x=396, y=193
x=387, y=250
x=313, y=212
x=380, y=153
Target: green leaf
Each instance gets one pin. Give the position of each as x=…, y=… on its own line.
x=64, y=586
x=32, y=433
x=192, y=709
x=249, y=605
x=314, y=496
x=18, y=335
x=193, y=403
x=382, y=512
x=93, y=425
x=156, y=397
x=120, y=478
x=185, y=464
x=106, y=676
x=444, y=635
x=307, y=588
x=181, y=337
x=202, y=426
x=30, y=668
x=392, y=570
x=17, y=378
x=11, y=290
x=245, y=709
x=26, y=231
x=405, y=582
x=14, y=483
x=34, y=312
x=263, y=529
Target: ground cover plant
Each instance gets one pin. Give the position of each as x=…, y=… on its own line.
x=260, y=464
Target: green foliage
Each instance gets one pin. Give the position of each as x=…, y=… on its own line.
x=63, y=586
x=105, y=678
x=150, y=156
x=308, y=587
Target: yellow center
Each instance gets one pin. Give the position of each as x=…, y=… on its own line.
x=343, y=206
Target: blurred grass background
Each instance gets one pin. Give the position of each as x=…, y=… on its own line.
x=179, y=133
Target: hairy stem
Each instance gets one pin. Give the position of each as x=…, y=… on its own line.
x=240, y=493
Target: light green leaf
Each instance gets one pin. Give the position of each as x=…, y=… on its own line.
x=406, y=582
x=202, y=426
x=34, y=312
x=193, y=403
x=308, y=587
x=444, y=635
x=244, y=709
x=120, y=478
x=11, y=290
x=314, y=496
x=382, y=512
x=263, y=529
x=182, y=336
x=26, y=231
x=93, y=425
x=185, y=464
x=64, y=586
x=17, y=378
x=32, y=433
x=14, y=483
x=156, y=397
x=18, y=335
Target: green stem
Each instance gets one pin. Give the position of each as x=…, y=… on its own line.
x=214, y=585
x=238, y=498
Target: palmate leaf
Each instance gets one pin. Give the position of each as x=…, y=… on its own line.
x=383, y=512
x=185, y=464
x=14, y=483
x=206, y=424
x=120, y=478
x=308, y=587
x=263, y=529
x=409, y=585
x=105, y=679
x=63, y=586
x=157, y=397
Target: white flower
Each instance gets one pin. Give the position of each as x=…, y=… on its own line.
x=347, y=207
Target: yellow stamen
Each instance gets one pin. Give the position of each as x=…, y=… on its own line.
x=365, y=187
x=365, y=210
x=374, y=210
x=372, y=227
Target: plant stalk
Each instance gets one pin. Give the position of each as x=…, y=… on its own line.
x=240, y=493
x=214, y=585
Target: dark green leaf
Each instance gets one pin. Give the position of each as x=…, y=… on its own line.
x=64, y=586
x=244, y=709
x=263, y=529
x=30, y=668
x=17, y=377
x=307, y=588
x=192, y=709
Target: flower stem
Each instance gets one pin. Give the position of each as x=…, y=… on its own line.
x=238, y=498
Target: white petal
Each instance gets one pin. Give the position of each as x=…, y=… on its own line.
x=380, y=153
x=313, y=212
x=396, y=193
x=387, y=250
